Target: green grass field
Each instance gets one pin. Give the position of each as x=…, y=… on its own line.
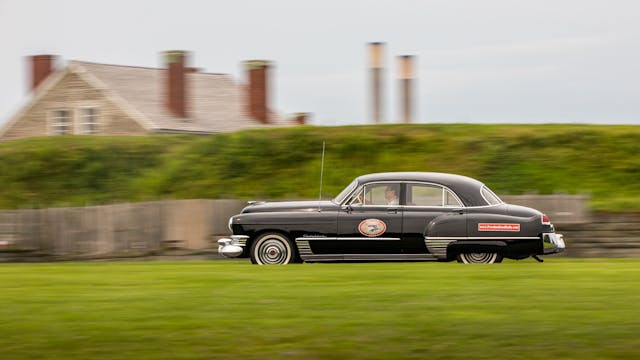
x=564, y=308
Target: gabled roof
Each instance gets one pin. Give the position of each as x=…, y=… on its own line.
x=215, y=102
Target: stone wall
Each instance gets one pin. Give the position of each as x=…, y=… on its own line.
x=561, y=209
x=604, y=235
x=117, y=230
x=155, y=227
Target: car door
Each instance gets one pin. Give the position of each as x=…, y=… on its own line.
x=371, y=222
x=434, y=211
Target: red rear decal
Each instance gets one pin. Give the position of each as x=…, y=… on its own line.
x=498, y=227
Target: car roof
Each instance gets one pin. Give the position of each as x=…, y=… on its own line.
x=467, y=189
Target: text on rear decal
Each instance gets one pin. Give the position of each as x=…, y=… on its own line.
x=498, y=227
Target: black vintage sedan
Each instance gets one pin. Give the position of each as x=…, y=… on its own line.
x=393, y=216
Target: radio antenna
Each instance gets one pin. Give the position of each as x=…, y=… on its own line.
x=321, y=174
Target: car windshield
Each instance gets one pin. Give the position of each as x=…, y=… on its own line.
x=344, y=193
x=490, y=197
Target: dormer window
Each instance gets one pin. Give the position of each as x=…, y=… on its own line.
x=89, y=122
x=61, y=123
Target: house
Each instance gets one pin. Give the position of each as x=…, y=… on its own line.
x=98, y=99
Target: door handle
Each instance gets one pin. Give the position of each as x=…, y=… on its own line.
x=392, y=211
x=458, y=211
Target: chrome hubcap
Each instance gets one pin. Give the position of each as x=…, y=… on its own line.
x=272, y=251
x=479, y=258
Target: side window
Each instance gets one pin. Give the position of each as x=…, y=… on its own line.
x=358, y=198
x=378, y=194
x=491, y=198
x=424, y=195
x=430, y=195
x=450, y=199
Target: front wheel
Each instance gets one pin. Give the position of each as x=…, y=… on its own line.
x=272, y=249
x=479, y=258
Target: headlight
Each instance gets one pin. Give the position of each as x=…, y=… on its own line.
x=229, y=224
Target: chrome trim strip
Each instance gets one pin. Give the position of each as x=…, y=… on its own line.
x=485, y=206
x=438, y=246
x=359, y=186
x=388, y=257
x=304, y=249
x=322, y=257
x=349, y=238
x=491, y=191
x=240, y=240
x=376, y=206
x=365, y=257
x=482, y=238
x=442, y=208
x=369, y=238
x=349, y=198
x=443, y=196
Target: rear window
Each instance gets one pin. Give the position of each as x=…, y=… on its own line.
x=491, y=198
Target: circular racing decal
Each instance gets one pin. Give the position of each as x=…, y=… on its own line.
x=372, y=227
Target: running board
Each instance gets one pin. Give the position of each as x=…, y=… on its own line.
x=367, y=257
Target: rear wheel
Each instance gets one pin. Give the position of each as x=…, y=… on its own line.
x=479, y=258
x=272, y=249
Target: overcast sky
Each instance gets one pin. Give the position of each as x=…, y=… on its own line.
x=494, y=61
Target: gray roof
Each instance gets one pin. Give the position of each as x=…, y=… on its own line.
x=215, y=102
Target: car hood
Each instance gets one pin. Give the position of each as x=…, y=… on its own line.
x=289, y=206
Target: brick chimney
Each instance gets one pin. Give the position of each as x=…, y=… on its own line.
x=301, y=118
x=258, y=89
x=41, y=67
x=176, y=82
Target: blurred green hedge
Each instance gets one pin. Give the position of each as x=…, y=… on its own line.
x=600, y=161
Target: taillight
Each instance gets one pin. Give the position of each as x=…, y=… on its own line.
x=545, y=220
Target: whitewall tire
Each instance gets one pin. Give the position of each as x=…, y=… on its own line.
x=479, y=258
x=272, y=249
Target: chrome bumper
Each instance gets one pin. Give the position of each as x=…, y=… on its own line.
x=232, y=247
x=552, y=243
